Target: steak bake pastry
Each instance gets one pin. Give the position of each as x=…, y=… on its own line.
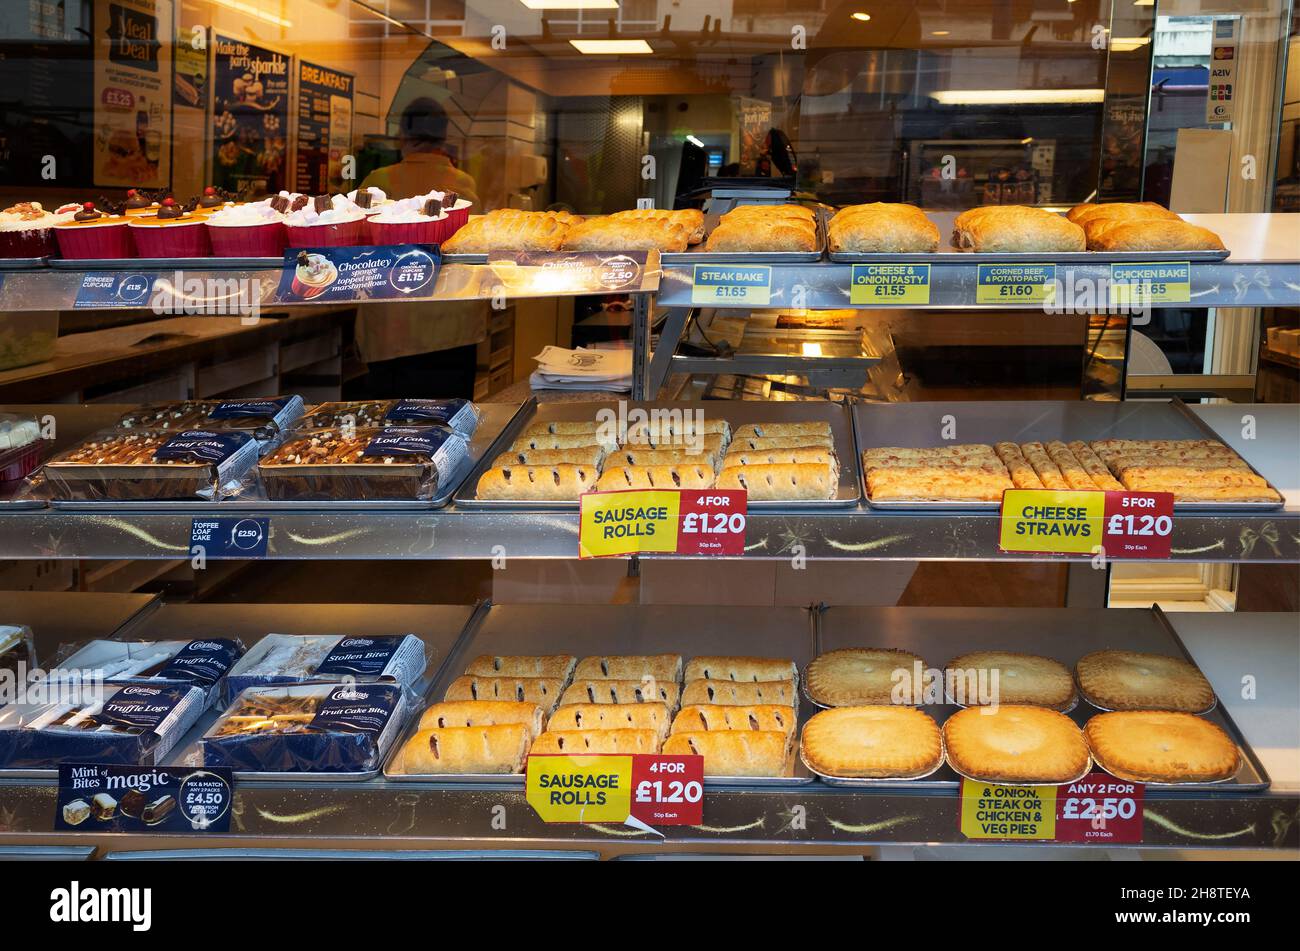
x=1015, y=228
x=872, y=742
x=691, y=219
x=466, y=713
x=1128, y=680
x=738, y=692
x=588, y=742
x=782, y=482
x=543, y=691
x=882, y=227
x=589, y=456
x=474, y=749
x=554, y=666
x=740, y=668
x=684, y=476
x=863, y=675
x=1021, y=678
x=612, y=716
x=1120, y=211
x=1015, y=744
x=736, y=752
x=623, y=234
x=1160, y=747
x=563, y=482
x=649, y=690
x=1158, y=235
x=710, y=717
x=754, y=233
x=508, y=229
x=630, y=667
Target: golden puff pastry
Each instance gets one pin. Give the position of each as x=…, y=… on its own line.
x=692, y=219
x=736, y=752
x=781, y=483
x=1020, y=678
x=852, y=676
x=595, y=742
x=763, y=234
x=467, y=713
x=1022, y=473
x=669, y=430
x=589, y=456
x=543, y=691
x=799, y=212
x=630, y=667
x=611, y=234
x=475, y=749
x=1120, y=211
x=1014, y=229
x=647, y=690
x=872, y=742
x=681, y=476
x=563, y=482
x=818, y=428
x=612, y=716
x=711, y=717
x=1011, y=743
x=508, y=229
x=882, y=227
x=1160, y=235
x=739, y=668
x=1152, y=746
x=940, y=484
x=1129, y=680
x=529, y=441
x=961, y=454
x=738, y=692
x=1072, y=470
x=555, y=666
x=644, y=457
x=1048, y=471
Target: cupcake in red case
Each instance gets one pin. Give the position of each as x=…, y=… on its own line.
x=326, y=222
x=141, y=202
x=214, y=199
x=94, y=234
x=253, y=230
x=173, y=231
x=418, y=220
x=27, y=229
x=370, y=199
x=457, y=211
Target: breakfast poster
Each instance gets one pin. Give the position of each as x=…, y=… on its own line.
x=132, y=116
x=324, y=129
x=250, y=116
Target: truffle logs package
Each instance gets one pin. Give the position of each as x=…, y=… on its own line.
x=201, y=663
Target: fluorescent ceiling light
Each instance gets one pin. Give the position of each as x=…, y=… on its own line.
x=694, y=141
x=570, y=4
x=1126, y=44
x=999, y=97
x=861, y=17
x=938, y=32
x=251, y=9
x=611, y=46
x=1144, y=3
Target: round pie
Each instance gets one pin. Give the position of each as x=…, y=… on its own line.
x=1015, y=744
x=865, y=675
x=1162, y=747
x=1127, y=680
x=876, y=742
x=1021, y=678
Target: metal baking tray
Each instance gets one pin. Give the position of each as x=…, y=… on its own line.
x=919, y=425
x=585, y=630
x=690, y=256
x=736, y=412
x=165, y=264
x=948, y=254
x=22, y=264
x=939, y=634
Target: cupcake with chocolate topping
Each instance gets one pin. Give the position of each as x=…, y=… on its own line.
x=419, y=220
x=173, y=231
x=27, y=229
x=370, y=200
x=253, y=230
x=93, y=234
x=139, y=202
x=213, y=199
x=326, y=222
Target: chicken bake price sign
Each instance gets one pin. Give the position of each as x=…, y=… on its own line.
x=693, y=522
x=638, y=789
x=1122, y=524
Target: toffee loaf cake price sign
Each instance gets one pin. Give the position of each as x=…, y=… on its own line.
x=163, y=799
x=694, y=522
x=638, y=789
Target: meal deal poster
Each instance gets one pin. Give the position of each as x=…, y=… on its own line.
x=132, y=72
x=324, y=128
x=250, y=116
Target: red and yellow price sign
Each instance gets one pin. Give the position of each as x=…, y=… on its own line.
x=653, y=789
x=671, y=521
x=1123, y=524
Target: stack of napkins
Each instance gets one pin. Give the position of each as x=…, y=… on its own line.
x=583, y=369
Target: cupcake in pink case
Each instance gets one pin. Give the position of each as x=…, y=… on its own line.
x=95, y=234
x=27, y=229
x=419, y=220
x=255, y=230
x=173, y=231
x=326, y=222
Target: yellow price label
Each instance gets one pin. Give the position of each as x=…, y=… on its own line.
x=889, y=284
x=989, y=811
x=1047, y=521
x=628, y=523
x=1155, y=283
x=1015, y=284
x=580, y=788
x=724, y=285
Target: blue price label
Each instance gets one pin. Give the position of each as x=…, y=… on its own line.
x=113, y=289
x=162, y=799
x=230, y=537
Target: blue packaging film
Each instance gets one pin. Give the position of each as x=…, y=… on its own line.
x=458, y=415
x=308, y=728
x=201, y=663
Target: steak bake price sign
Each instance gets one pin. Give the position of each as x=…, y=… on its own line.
x=1122, y=524
x=636, y=789
x=695, y=522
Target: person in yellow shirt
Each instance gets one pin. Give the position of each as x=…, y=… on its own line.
x=421, y=349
